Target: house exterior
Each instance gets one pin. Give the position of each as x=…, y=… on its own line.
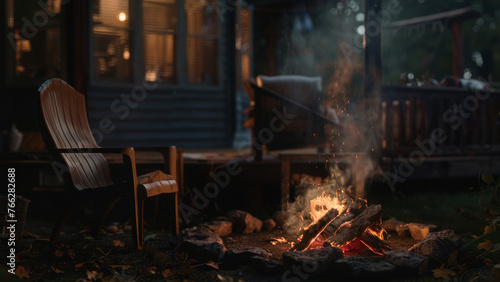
x=154, y=72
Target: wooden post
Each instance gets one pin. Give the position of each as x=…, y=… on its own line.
x=285, y=182
x=458, y=47
x=370, y=105
x=372, y=48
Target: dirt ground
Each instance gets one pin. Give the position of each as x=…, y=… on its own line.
x=78, y=256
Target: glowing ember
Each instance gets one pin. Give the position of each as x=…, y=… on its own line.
x=322, y=204
x=380, y=233
x=280, y=240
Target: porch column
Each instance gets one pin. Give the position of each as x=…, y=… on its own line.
x=370, y=105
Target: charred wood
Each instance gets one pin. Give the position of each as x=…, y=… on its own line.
x=373, y=242
x=348, y=231
x=313, y=231
x=353, y=210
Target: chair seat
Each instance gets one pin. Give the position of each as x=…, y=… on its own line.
x=154, y=176
x=158, y=187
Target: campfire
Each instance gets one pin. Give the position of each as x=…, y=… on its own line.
x=339, y=220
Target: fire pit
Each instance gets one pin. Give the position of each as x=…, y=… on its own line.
x=327, y=231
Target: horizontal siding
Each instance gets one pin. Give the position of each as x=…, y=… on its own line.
x=187, y=119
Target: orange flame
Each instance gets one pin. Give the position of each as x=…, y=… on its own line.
x=322, y=204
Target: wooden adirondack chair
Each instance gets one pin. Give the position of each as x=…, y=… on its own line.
x=68, y=136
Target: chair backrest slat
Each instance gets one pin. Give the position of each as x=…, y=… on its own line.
x=65, y=116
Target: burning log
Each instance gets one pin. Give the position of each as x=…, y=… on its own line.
x=372, y=239
x=313, y=231
x=352, y=211
x=348, y=231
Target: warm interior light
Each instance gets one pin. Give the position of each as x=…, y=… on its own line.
x=126, y=53
x=122, y=16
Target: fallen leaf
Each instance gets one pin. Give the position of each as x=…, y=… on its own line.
x=212, y=264
x=94, y=275
x=56, y=270
x=23, y=272
x=118, y=243
x=78, y=265
x=224, y=279
x=486, y=245
x=488, y=229
x=443, y=273
x=168, y=273
x=152, y=269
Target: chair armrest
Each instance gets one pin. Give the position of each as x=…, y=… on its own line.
x=169, y=154
x=91, y=150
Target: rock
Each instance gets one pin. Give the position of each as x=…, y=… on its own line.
x=403, y=230
x=390, y=224
x=280, y=217
x=254, y=226
x=112, y=229
x=363, y=268
x=202, y=244
x=269, y=224
x=408, y=263
x=258, y=258
x=243, y=256
x=221, y=228
x=266, y=266
x=244, y=222
x=312, y=262
x=419, y=231
x=247, y=253
x=438, y=246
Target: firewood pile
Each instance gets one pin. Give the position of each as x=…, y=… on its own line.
x=355, y=221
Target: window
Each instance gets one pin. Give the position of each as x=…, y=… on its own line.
x=161, y=31
x=160, y=36
x=243, y=45
x=202, y=35
x=112, y=58
x=34, y=37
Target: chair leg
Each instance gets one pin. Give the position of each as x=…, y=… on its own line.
x=56, y=230
x=137, y=227
x=176, y=213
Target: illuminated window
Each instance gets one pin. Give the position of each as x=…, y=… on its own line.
x=160, y=38
x=34, y=37
x=202, y=37
x=112, y=57
x=178, y=41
